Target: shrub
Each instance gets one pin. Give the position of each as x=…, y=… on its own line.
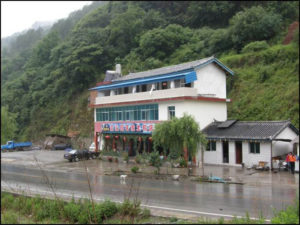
x=110, y=159
x=54, y=209
x=9, y=218
x=7, y=201
x=131, y=209
x=138, y=159
x=173, y=219
x=108, y=208
x=72, y=211
x=288, y=216
x=27, y=206
x=255, y=46
x=145, y=213
x=154, y=159
x=182, y=162
x=135, y=169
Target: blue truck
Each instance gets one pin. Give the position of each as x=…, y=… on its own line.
x=11, y=145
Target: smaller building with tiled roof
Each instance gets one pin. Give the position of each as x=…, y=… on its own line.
x=247, y=143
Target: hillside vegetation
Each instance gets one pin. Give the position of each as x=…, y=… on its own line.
x=44, y=87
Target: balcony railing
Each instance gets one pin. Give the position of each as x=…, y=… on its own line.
x=159, y=94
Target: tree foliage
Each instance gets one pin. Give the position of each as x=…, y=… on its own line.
x=178, y=134
x=8, y=125
x=47, y=71
x=253, y=24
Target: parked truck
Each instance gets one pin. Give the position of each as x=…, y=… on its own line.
x=11, y=145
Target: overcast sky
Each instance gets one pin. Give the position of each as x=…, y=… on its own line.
x=17, y=16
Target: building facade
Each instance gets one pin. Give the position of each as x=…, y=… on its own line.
x=127, y=108
x=248, y=143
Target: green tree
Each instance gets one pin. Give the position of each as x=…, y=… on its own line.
x=180, y=135
x=8, y=125
x=254, y=24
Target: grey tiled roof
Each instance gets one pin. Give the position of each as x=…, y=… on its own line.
x=247, y=130
x=164, y=70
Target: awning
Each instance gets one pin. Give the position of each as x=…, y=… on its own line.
x=189, y=77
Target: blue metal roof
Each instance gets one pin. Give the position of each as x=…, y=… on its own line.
x=189, y=77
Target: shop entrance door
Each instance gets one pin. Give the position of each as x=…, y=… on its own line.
x=238, y=152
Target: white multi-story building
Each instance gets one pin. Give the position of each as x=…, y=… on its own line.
x=133, y=104
x=128, y=107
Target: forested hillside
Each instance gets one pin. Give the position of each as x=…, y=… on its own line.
x=44, y=87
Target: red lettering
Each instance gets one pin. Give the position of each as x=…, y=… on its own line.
x=126, y=127
x=121, y=127
x=144, y=127
x=116, y=127
x=132, y=127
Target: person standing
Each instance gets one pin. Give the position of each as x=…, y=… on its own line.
x=287, y=159
x=292, y=160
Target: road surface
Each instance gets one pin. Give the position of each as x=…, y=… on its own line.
x=189, y=198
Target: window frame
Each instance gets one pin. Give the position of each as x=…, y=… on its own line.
x=254, y=147
x=171, y=111
x=210, y=145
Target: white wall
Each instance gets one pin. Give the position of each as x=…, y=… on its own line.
x=204, y=112
x=211, y=80
x=249, y=159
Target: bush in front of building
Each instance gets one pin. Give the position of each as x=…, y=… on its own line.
x=138, y=159
x=182, y=162
x=154, y=160
x=135, y=169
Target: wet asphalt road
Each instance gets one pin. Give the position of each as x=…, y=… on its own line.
x=201, y=199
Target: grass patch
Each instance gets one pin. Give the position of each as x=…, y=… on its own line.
x=27, y=210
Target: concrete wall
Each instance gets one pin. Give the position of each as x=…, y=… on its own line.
x=204, y=112
x=249, y=159
x=211, y=80
x=167, y=93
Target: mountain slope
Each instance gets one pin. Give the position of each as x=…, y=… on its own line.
x=49, y=93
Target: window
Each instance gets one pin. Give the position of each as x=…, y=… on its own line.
x=211, y=146
x=105, y=116
x=171, y=112
x=137, y=88
x=129, y=115
x=164, y=85
x=145, y=114
x=157, y=86
x=144, y=87
x=177, y=83
x=188, y=85
x=125, y=90
x=183, y=84
x=137, y=112
x=254, y=148
x=119, y=115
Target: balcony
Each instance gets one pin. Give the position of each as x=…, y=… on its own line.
x=142, y=96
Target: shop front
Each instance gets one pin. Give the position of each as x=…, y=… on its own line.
x=132, y=137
